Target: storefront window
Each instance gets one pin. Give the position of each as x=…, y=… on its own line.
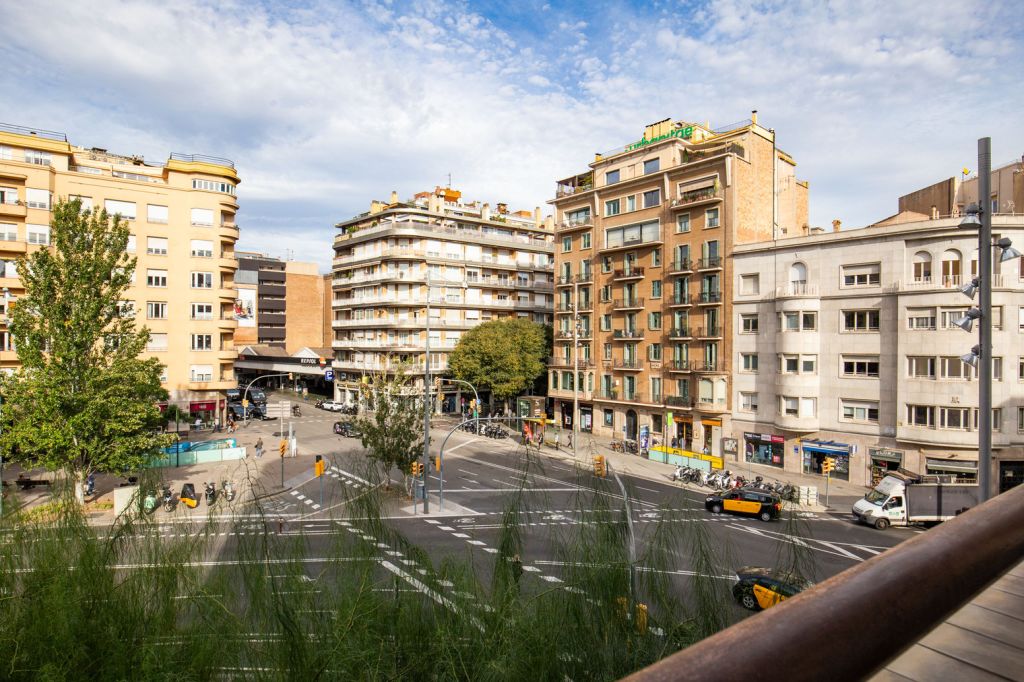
x=764, y=449
x=586, y=418
x=814, y=455
x=882, y=462
x=959, y=470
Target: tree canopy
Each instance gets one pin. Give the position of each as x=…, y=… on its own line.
x=393, y=434
x=83, y=399
x=504, y=357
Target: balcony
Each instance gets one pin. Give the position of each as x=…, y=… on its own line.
x=628, y=273
x=578, y=224
x=582, y=363
x=680, y=267
x=628, y=365
x=678, y=300
x=709, y=332
x=709, y=367
x=585, y=277
x=634, y=397
x=698, y=196
x=14, y=209
x=680, y=333
x=711, y=406
x=228, y=231
x=797, y=290
x=632, y=303
x=567, y=334
x=709, y=298
x=565, y=280
x=607, y=394
x=679, y=401
x=627, y=334
x=569, y=393
x=710, y=263
x=679, y=365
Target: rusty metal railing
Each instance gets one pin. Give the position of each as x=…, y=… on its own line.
x=854, y=623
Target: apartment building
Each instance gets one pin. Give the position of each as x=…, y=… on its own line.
x=643, y=242
x=951, y=196
x=181, y=215
x=844, y=347
x=479, y=264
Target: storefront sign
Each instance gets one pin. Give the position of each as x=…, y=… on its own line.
x=680, y=133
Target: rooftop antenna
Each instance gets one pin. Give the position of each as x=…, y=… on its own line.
x=449, y=181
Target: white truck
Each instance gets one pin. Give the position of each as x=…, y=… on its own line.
x=902, y=499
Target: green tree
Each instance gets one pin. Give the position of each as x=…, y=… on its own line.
x=503, y=356
x=393, y=433
x=83, y=399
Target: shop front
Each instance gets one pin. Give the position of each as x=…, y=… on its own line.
x=206, y=410
x=586, y=418
x=958, y=470
x=764, y=448
x=883, y=461
x=815, y=451
x=680, y=431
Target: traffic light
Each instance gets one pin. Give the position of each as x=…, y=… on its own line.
x=599, y=466
x=437, y=463
x=318, y=466
x=827, y=465
x=283, y=447
x=641, y=618
x=291, y=376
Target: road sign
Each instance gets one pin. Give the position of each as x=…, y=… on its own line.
x=329, y=375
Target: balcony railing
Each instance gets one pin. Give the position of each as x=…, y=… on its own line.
x=631, y=365
x=890, y=601
x=709, y=297
x=629, y=273
x=704, y=366
x=679, y=365
x=574, y=224
x=627, y=334
x=680, y=299
x=679, y=401
x=709, y=263
x=608, y=394
x=698, y=196
x=796, y=289
x=585, y=277
x=680, y=266
x=679, y=333
x=709, y=332
x=628, y=303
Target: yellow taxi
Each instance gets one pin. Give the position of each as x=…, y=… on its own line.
x=761, y=588
x=763, y=505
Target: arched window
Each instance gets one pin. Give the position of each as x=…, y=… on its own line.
x=923, y=267
x=798, y=277
x=951, y=269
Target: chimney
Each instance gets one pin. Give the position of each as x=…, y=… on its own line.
x=536, y=217
x=753, y=116
x=836, y=224
x=485, y=211
x=394, y=197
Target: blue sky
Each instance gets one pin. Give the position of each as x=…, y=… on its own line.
x=326, y=105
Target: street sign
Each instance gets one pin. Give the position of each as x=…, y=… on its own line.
x=329, y=375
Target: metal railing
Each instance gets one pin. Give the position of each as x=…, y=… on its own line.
x=886, y=603
x=202, y=158
x=36, y=132
x=634, y=271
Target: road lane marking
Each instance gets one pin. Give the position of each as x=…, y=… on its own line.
x=841, y=550
x=551, y=578
x=459, y=535
x=479, y=543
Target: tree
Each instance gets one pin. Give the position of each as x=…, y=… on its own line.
x=393, y=434
x=83, y=400
x=503, y=356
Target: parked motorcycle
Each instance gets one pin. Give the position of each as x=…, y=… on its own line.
x=228, y=490
x=90, y=485
x=188, y=496
x=149, y=504
x=168, y=498
x=211, y=493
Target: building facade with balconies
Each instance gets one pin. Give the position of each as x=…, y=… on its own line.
x=844, y=347
x=643, y=241
x=481, y=265
x=181, y=215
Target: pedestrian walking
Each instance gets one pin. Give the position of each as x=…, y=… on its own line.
x=216, y=424
x=517, y=568
x=199, y=424
x=259, y=447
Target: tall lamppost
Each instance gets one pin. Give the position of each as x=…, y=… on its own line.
x=979, y=217
x=426, y=403
x=575, y=363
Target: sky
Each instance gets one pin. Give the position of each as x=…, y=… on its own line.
x=325, y=106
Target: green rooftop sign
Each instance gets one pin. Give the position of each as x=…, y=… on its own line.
x=682, y=133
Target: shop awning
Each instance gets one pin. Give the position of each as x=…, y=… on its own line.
x=958, y=465
x=828, y=447
x=887, y=456
x=209, y=406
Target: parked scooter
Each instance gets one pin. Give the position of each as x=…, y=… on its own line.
x=90, y=485
x=188, y=496
x=211, y=493
x=168, y=497
x=228, y=490
x=149, y=504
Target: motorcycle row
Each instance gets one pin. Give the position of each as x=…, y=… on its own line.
x=490, y=430
x=726, y=480
x=188, y=496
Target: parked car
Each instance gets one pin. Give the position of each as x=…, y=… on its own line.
x=761, y=588
x=332, y=406
x=251, y=412
x=346, y=429
x=765, y=506
x=234, y=395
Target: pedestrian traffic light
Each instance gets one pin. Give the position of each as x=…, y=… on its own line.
x=599, y=466
x=437, y=463
x=417, y=469
x=827, y=465
x=318, y=466
x=641, y=618
x=283, y=447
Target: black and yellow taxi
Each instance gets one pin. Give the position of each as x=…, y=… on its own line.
x=765, y=506
x=761, y=588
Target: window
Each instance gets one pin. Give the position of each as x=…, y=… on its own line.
x=202, y=342
x=156, y=246
x=790, y=406
x=860, y=411
x=202, y=248
x=1020, y=319
x=997, y=418
x=202, y=311
x=951, y=268
x=202, y=216
x=951, y=315
x=157, y=342
x=750, y=285
x=611, y=177
x=654, y=352
x=156, y=310
x=954, y=418
x=37, y=157
x=656, y=288
x=201, y=373
x=639, y=233
x=953, y=367
x=37, y=198
x=809, y=321
x=8, y=232
x=748, y=361
x=862, y=275
x=652, y=166
x=578, y=217
x=130, y=246
x=607, y=351
x=652, y=198
x=923, y=267
x=790, y=322
x=9, y=196
x=156, y=214
x=710, y=218
x=631, y=203
x=921, y=318
x=126, y=209
x=748, y=323
x=606, y=265
x=202, y=280
x=1020, y=420
x=860, y=320
x=748, y=402
x=921, y=415
x=213, y=186
x=566, y=244
x=156, y=278
x=920, y=367
x=808, y=364
x=789, y=364
x=654, y=321
x=585, y=240
x=860, y=366
x=38, y=234
x=798, y=278
x=611, y=207
x=683, y=222
x=656, y=258
x=609, y=417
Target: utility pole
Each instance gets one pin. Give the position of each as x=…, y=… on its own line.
x=985, y=330
x=575, y=362
x=426, y=403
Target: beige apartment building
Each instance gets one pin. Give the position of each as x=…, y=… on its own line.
x=844, y=347
x=951, y=196
x=643, y=245
x=181, y=215
x=480, y=263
